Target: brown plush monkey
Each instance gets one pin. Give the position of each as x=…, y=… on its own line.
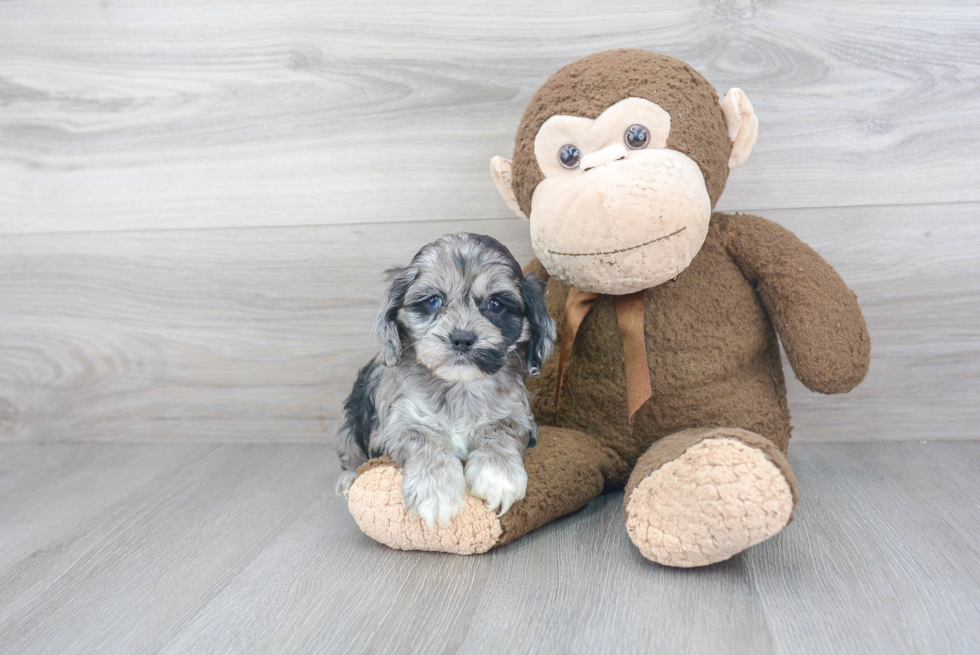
x=669, y=378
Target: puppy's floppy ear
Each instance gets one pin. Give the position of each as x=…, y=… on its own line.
x=542, y=339
x=385, y=327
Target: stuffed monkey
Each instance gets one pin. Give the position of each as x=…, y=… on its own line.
x=667, y=376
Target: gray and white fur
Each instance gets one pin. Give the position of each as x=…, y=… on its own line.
x=460, y=328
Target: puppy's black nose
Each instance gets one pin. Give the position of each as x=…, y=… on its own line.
x=463, y=340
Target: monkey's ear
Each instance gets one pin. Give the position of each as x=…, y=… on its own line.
x=385, y=325
x=500, y=169
x=742, y=124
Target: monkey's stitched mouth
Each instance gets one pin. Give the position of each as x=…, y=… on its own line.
x=614, y=252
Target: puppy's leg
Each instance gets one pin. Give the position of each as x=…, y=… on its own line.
x=344, y=482
x=495, y=466
x=433, y=486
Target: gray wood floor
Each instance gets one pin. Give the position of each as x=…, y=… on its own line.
x=197, y=199
x=183, y=548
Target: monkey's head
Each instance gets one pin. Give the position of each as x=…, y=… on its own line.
x=618, y=161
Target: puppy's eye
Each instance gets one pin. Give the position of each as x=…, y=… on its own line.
x=434, y=303
x=637, y=137
x=495, y=306
x=569, y=155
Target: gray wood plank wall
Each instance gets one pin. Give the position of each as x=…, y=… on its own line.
x=197, y=199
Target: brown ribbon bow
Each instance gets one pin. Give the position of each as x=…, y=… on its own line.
x=629, y=315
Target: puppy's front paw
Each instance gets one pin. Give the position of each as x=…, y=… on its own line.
x=433, y=490
x=500, y=482
x=344, y=482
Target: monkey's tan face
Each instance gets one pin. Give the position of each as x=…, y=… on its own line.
x=617, y=211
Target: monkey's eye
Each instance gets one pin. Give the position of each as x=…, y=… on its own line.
x=434, y=303
x=569, y=155
x=495, y=306
x=636, y=137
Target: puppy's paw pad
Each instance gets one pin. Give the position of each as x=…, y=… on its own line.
x=500, y=487
x=344, y=482
x=434, y=492
x=435, y=507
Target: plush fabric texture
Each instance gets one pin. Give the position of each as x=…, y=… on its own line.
x=672, y=448
x=500, y=173
x=713, y=499
x=743, y=125
x=649, y=210
x=714, y=363
x=711, y=346
x=376, y=503
x=590, y=85
x=566, y=469
x=816, y=315
x=629, y=315
x=601, y=140
x=703, y=458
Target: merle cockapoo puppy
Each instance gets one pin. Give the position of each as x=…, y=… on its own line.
x=460, y=328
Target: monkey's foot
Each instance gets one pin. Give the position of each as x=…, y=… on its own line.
x=701, y=496
x=376, y=503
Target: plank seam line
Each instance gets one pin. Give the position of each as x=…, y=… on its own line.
x=762, y=211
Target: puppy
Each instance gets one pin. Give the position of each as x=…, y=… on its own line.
x=460, y=328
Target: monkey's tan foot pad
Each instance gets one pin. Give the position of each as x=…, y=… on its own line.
x=714, y=501
x=375, y=501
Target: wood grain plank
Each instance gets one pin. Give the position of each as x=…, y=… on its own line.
x=117, y=581
x=48, y=489
x=879, y=541
x=917, y=276
x=246, y=549
x=131, y=116
x=344, y=594
x=256, y=334
x=231, y=335
x=582, y=571
x=583, y=584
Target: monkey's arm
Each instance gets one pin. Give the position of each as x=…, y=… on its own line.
x=816, y=315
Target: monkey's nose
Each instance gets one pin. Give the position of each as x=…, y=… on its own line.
x=604, y=156
x=463, y=340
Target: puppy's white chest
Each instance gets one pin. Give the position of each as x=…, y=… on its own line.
x=460, y=440
x=466, y=413
x=459, y=429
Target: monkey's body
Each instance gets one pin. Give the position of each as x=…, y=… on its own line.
x=708, y=380
x=703, y=456
x=702, y=375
